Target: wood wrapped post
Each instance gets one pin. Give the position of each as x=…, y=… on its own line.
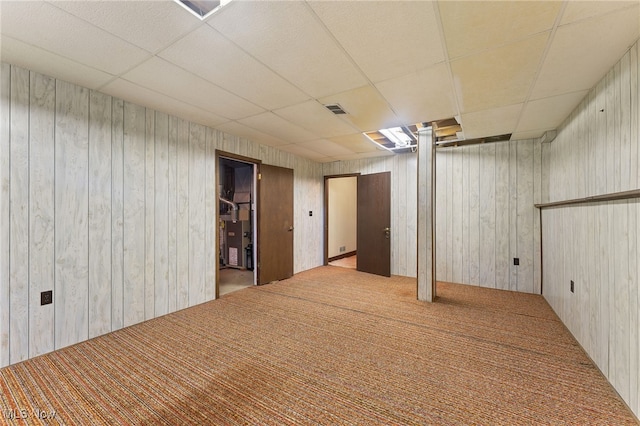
x=426, y=216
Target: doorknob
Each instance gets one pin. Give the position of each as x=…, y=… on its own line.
x=387, y=232
x=290, y=228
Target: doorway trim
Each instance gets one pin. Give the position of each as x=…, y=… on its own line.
x=256, y=165
x=326, y=211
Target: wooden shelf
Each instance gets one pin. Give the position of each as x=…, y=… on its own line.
x=625, y=195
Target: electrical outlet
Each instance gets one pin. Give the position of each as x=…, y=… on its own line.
x=516, y=261
x=310, y=213
x=572, y=287
x=46, y=297
x=343, y=249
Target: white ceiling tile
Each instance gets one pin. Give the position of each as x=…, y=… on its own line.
x=238, y=129
x=291, y=41
x=578, y=10
x=502, y=76
x=473, y=26
x=130, y=92
x=424, y=96
x=548, y=113
x=492, y=122
x=582, y=53
x=52, y=29
x=533, y=134
x=302, y=151
x=366, y=109
x=163, y=77
x=376, y=154
x=232, y=68
x=150, y=25
x=394, y=39
x=35, y=59
x=314, y=117
x=357, y=143
x=326, y=147
x=278, y=127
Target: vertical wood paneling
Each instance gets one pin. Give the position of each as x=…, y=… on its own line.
x=211, y=224
x=456, y=216
x=502, y=216
x=182, y=211
x=487, y=258
x=513, y=214
x=597, y=243
x=410, y=163
x=134, y=213
x=5, y=154
x=465, y=215
x=474, y=215
x=634, y=160
x=634, y=285
x=19, y=217
x=619, y=347
x=172, y=238
x=117, y=215
x=71, y=214
x=441, y=217
x=41, y=208
x=100, y=169
x=149, y=215
x=128, y=203
x=161, y=218
x=625, y=123
x=449, y=215
x=525, y=216
x=197, y=178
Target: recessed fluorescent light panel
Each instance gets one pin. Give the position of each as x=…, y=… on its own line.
x=396, y=139
x=202, y=9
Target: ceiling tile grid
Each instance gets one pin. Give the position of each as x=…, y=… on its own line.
x=263, y=70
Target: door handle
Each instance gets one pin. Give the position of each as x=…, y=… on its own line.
x=387, y=232
x=290, y=228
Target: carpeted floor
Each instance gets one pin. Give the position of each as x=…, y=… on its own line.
x=330, y=346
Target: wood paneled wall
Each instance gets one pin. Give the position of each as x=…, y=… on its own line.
x=485, y=215
x=113, y=207
x=404, y=191
x=596, y=152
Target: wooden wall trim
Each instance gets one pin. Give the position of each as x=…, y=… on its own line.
x=624, y=195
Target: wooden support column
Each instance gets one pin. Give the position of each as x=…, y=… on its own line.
x=426, y=216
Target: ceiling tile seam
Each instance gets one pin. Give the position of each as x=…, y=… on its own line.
x=447, y=60
x=64, y=57
x=594, y=17
x=199, y=24
x=351, y=60
x=543, y=58
x=271, y=134
x=208, y=82
x=262, y=63
x=173, y=98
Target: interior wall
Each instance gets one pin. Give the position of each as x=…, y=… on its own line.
x=342, y=215
x=404, y=214
x=113, y=207
x=596, y=152
x=485, y=215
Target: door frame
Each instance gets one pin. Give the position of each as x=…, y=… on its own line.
x=256, y=164
x=326, y=211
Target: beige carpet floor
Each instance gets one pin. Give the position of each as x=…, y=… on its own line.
x=330, y=346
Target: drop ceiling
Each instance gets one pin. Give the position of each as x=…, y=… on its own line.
x=263, y=70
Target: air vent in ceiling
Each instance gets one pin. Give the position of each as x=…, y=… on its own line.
x=336, y=109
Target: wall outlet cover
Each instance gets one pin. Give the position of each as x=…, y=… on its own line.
x=46, y=297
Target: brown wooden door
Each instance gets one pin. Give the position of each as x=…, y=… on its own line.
x=374, y=224
x=275, y=224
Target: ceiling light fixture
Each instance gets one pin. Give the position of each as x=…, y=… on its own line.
x=395, y=139
x=202, y=8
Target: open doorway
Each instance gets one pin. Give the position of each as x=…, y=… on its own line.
x=341, y=220
x=236, y=224
x=370, y=199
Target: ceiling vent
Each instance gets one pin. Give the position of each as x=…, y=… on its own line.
x=336, y=109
